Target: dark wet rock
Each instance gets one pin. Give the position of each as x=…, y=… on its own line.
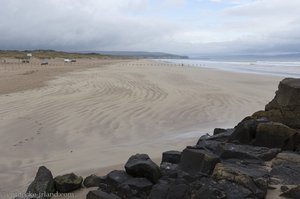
x=286, y=168
x=169, y=169
x=67, y=183
x=235, y=191
x=93, y=181
x=134, y=187
x=245, y=131
x=170, y=191
x=276, y=135
x=98, y=194
x=171, y=157
x=219, y=130
x=293, y=193
x=285, y=107
x=206, y=188
x=179, y=191
x=254, y=178
x=234, y=151
x=221, y=136
x=140, y=165
x=208, y=145
x=139, y=184
x=159, y=191
x=116, y=178
x=43, y=183
x=198, y=160
x=261, y=132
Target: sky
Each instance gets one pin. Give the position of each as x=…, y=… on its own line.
x=175, y=26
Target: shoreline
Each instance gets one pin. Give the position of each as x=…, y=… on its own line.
x=101, y=116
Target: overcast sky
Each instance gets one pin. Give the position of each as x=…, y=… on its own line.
x=176, y=26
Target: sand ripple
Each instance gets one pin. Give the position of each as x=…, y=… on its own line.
x=96, y=118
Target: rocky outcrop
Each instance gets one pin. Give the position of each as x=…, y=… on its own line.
x=43, y=183
x=285, y=107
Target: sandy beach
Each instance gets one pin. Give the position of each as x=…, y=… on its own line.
x=93, y=118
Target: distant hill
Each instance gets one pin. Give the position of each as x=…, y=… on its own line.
x=143, y=54
x=49, y=54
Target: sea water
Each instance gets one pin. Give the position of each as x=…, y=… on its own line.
x=269, y=67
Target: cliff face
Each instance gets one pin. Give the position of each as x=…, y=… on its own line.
x=260, y=154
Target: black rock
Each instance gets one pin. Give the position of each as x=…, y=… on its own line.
x=276, y=135
x=179, y=191
x=286, y=168
x=140, y=165
x=171, y=157
x=245, y=131
x=139, y=184
x=208, y=191
x=170, y=191
x=234, y=151
x=198, y=160
x=293, y=193
x=67, y=183
x=220, y=136
x=235, y=191
x=116, y=178
x=98, y=194
x=43, y=183
x=93, y=181
x=159, y=191
x=219, y=130
x=208, y=145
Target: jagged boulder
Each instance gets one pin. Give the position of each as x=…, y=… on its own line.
x=285, y=107
x=197, y=160
x=68, y=183
x=140, y=165
x=43, y=183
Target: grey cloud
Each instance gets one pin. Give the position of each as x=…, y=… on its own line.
x=251, y=26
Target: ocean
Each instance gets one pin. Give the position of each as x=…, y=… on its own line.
x=282, y=68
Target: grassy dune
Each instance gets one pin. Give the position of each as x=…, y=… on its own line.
x=51, y=54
